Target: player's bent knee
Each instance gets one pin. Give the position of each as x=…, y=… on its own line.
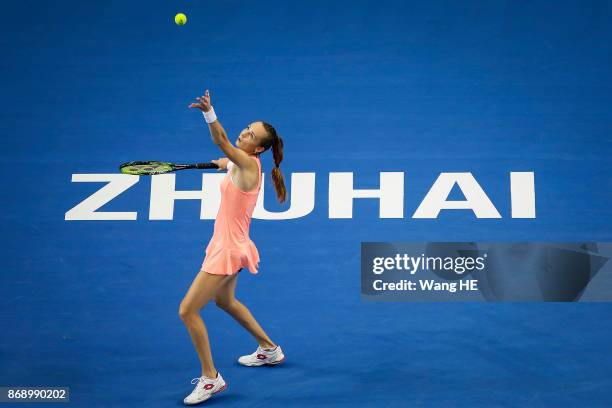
x=186, y=312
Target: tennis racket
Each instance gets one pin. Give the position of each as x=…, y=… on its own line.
x=150, y=168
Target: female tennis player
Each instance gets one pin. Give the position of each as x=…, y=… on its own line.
x=230, y=248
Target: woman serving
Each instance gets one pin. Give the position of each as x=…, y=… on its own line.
x=230, y=248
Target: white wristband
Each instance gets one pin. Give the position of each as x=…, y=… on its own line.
x=230, y=164
x=210, y=116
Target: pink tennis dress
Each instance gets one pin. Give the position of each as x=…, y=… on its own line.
x=230, y=248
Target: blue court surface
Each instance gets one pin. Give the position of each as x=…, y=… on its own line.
x=365, y=87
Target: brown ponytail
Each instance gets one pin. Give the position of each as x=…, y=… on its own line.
x=276, y=142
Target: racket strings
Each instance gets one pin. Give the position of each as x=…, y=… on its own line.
x=150, y=168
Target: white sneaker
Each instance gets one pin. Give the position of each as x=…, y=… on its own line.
x=263, y=357
x=205, y=389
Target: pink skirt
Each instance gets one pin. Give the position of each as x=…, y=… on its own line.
x=221, y=260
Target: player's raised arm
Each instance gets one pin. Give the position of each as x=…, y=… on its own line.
x=219, y=137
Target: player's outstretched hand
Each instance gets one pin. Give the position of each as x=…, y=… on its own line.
x=203, y=102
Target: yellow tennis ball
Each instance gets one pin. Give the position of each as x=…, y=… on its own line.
x=180, y=19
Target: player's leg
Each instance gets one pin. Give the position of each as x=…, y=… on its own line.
x=202, y=290
x=225, y=298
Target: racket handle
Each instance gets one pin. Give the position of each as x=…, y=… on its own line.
x=206, y=166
